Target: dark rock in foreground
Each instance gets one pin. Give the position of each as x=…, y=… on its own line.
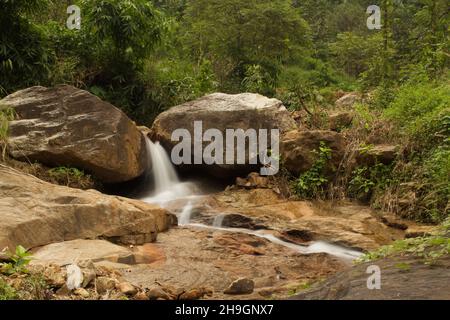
x=402, y=278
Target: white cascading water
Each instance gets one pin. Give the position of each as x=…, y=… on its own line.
x=168, y=188
x=167, y=185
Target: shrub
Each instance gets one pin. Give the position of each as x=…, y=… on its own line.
x=71, y=177
x=430, y=248
x=367, y=180
x=7, y=292
x=19, y=260
x=421, y=110
x=312, y=183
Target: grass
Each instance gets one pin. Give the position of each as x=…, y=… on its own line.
x=7, y=292
x=429, y=248
x=71, y=177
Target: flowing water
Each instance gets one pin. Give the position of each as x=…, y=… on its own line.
x=167, y=188
x=166, y=184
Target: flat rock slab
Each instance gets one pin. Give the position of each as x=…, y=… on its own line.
x=212, y=259
x=35, y=213
x=78, y=251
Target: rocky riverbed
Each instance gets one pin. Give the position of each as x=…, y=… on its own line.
x=179, y=240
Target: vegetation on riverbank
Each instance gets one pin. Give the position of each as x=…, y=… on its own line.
x=145, y=56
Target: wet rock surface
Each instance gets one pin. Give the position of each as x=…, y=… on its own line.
x=196, y=258
x=345, y=224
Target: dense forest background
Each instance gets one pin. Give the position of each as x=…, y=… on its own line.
x=146, y=56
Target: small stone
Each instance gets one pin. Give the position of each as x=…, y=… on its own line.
x=141, y=296
x=105, y=284
x=82, y=293
x=196, y=294
x=88, y=277
x=156, y=292
x=241, y=286
x=55, y=275
x=127, y=288
x=63, y=291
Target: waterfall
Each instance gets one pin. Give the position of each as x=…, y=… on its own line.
x=185, y=216
x=166, y=186
x=164, y=173
x=218, y=220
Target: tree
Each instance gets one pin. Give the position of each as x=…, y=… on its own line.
x=236, y=34
x=24, y=52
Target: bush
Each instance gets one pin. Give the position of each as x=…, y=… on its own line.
x=7, y=292
x=429, y=248
x=20, y=258
x=311, y=184
x=25, y=55
x=421, y=110
x=71, y=177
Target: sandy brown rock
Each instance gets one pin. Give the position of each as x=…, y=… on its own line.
x=35, y=213
x=339, y=120
x=348, y=100
x=66, y=126
x=240, y=286
x=299, y=149
x=79, y=251
x=384, y=154
x=346, y=224
x=198, y=258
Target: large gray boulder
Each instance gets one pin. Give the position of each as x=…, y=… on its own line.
x=223, y=111
x=66, y=126
x=35, y=213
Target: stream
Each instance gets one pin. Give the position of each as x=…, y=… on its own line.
x=167, y=187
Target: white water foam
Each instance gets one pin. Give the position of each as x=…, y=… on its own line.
x=315, y=247
x=168, y=187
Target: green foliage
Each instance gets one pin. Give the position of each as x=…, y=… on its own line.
x=25, y=55
x=130, y=28
x=257, y=80
x=7, y=292
x=421, y=110
x=354, y=53
x=171, y=82
x=19, y=261
x=367, y=180
x=34, y=287
x=311, y=183
x=430, y=248
x=236, y=34
x=71, y=177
